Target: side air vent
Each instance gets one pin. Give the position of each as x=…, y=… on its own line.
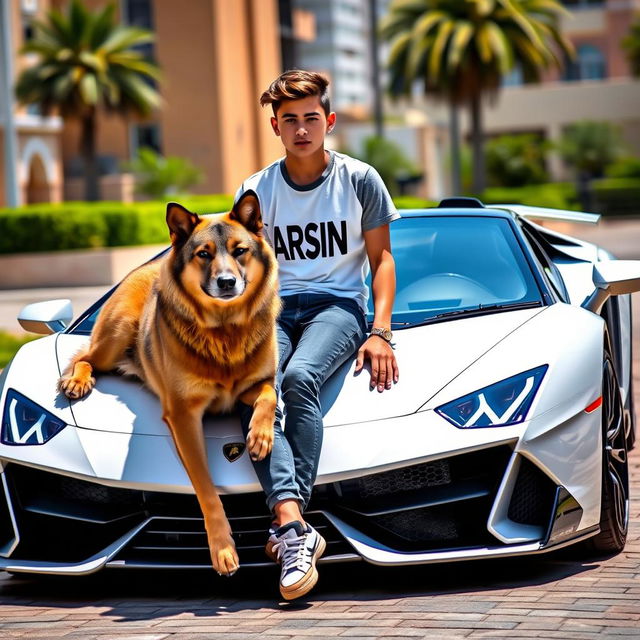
x=533, y=496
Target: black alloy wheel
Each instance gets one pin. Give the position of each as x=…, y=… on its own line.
x=614, y=514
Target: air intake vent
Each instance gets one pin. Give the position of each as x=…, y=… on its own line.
x=533, y=496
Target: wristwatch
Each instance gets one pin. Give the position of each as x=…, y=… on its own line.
x=385, y=334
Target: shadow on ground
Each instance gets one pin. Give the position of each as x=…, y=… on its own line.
x=128, y=595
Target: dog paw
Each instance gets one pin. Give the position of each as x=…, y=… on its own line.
x=260, y=441
x=75, y=387
x=224, y=557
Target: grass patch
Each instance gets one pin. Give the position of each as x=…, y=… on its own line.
x=9, y=344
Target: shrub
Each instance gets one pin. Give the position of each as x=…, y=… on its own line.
x=9, y=344
x=515, y=161
x=84, y=225
x=554, y=195
x=590, y=146
x=411, y=202
x=617, y=196
x=627, y=167
x=390, y=161
x=158, y=176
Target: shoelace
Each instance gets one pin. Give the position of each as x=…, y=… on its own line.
x=291, y=552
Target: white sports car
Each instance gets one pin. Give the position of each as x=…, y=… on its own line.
x=506, y=435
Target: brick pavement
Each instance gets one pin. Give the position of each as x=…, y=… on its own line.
x=554, y=596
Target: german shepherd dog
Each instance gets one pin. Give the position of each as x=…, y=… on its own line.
x=198, y=327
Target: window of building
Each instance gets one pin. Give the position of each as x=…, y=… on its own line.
x=145, y=135
x=139, y=13
x=578, y=4
x=28, y=11
x=590, y=64
x=514, y=78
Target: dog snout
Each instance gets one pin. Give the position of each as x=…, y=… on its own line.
x=226, y=282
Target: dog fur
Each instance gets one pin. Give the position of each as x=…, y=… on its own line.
x=198, y=327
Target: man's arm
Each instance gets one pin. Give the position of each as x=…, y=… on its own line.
x=384, y=368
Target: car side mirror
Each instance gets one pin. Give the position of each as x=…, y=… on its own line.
x=612, y=278
x=46, y=317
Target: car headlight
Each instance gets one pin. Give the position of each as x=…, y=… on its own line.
x=24, y=422
x=498, y=405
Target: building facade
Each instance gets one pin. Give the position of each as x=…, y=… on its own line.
x=341, y=49
x=37, y=140
x=216, y=57
x=597, y=85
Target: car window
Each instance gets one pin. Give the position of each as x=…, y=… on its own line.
x=442, y=264
x=454, y=263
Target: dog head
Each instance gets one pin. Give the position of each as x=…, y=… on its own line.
x=222, y=259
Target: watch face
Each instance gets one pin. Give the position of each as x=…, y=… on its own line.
x=383, y=333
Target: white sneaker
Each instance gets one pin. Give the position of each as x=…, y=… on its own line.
x=297, y=550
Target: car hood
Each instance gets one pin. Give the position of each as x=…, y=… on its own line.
x=429, y=357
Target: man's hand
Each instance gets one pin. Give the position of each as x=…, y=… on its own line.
x=384, y=368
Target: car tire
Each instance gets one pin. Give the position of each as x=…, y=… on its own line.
x=614, y=514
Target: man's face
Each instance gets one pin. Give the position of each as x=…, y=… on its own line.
x=302, y=125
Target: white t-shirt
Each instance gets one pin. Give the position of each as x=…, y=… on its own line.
x=316, y=230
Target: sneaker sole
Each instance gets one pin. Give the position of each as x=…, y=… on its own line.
x=303, y=587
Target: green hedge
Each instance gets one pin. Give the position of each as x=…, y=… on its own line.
x=617, y=196
x=82, y=225
x=555, y=195
x=9, y=344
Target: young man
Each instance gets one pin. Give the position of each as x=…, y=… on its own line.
x=325, y=214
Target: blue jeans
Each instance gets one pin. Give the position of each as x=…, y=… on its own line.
x=316, y=334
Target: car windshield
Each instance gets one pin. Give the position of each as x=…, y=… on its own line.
x=455, y=263
x=446, y=265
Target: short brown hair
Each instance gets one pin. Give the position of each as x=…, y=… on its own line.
x=295, y=84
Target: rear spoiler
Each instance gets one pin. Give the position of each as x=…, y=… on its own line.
x=543, y=213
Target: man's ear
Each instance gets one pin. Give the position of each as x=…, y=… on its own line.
x=274, y=126
x=331, y=121
x=247, y=211
x=181, y=223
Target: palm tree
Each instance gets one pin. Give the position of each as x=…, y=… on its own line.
x=631, y=45
x=461, y=49
x=86, y=61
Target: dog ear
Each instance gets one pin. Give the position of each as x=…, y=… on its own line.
x=247, y=211
x=181, y=222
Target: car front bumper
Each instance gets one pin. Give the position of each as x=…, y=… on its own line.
x=499, y=492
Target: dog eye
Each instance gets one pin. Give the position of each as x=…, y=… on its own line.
x=204, y=254
x=238, y=251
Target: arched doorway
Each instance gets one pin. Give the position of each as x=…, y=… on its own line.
x=38, y=188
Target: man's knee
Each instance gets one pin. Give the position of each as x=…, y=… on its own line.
x=299, y=381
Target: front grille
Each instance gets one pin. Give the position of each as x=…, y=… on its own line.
x=406, y=479
x=437, y=505
x=442, y=504
x=533, y=496
x=64, y=519
x=182, y=542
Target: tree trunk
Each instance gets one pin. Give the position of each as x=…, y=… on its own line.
x=88, y=152
x=477, y=143
x=454, y=141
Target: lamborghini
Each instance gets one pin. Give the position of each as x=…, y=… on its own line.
x=507, y=433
